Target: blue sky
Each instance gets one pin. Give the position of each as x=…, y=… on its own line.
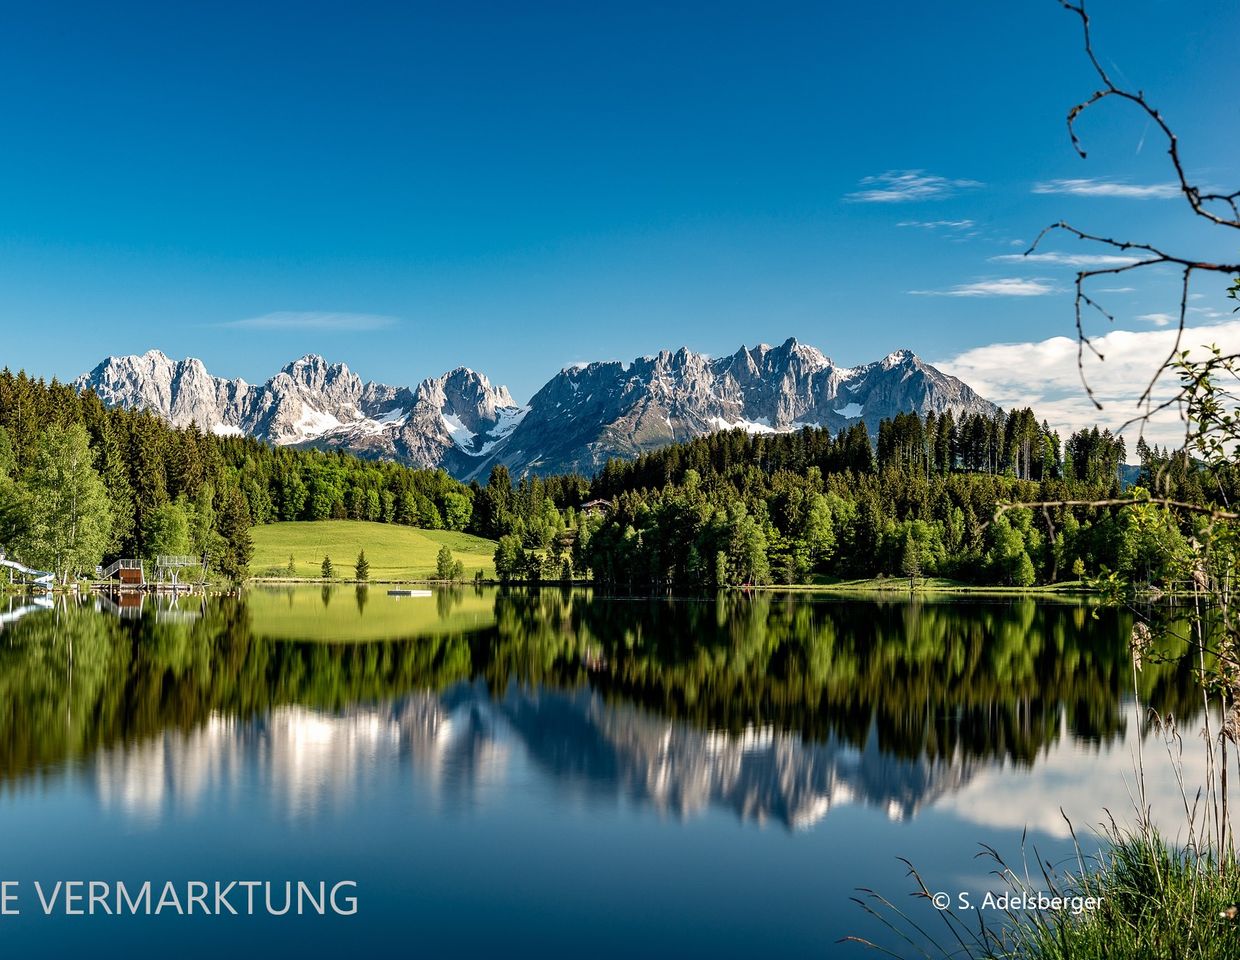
x=409, y=187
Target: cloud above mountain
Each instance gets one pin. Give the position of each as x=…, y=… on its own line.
x=1090, y=187
x=905, y=186
x=1067, y=259
x=1044, y=375
x=938, y=224
x=1002, y=287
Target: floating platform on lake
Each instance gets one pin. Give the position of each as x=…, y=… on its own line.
x=410, y=593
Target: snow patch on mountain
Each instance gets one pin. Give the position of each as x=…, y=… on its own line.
x=461, y=435
x=749, y=426
x=314, y=423
x=392, y=417
x=586, y=414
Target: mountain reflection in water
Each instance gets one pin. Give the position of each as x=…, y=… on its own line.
x=461, y=742
x=774, y=708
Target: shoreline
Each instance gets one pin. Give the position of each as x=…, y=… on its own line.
x=889, y=588
x=931, y=586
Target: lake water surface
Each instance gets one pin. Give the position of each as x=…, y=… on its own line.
x=552, y=773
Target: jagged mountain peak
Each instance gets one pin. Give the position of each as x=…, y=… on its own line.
x=900, y=357
x=150, y=359
x=803, y=351
x=584, y=415
x=309, y=401
x=463, y=380
x=587, y=414
x=314, y=371
x=313, y=361
x=763, y=357
x=467, y=402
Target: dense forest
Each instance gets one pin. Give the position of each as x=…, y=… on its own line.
x=737, y=508
x=81, y=484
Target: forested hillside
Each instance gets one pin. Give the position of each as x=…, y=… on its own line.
x=81, y=484
x=738, y=508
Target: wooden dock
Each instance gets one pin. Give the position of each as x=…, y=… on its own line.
x=129, y=575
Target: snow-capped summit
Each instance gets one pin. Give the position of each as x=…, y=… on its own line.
x=588, y=414
x=584, y=415
x=897, y=358
x=311, y=402
x=181, y=391
x=448, y=421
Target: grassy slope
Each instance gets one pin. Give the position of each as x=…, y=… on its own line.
x=395, y=552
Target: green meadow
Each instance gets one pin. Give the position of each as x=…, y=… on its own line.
x=395, y=552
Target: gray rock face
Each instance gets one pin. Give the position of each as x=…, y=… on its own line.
x=585, y=415
x=577, y=421
x=313, y=403
x=450, y=421
x=179, y=390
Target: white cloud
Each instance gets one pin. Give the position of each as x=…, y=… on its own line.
x=314, y=320
x=1118, y=290
x=1043, y=375
x=1067, y=259
x=902, y=186
x=1109, y=188
x=1158, y=319
x=938, y=224
x=1005, y=287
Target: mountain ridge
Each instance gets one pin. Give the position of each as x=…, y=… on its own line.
x=584, y=415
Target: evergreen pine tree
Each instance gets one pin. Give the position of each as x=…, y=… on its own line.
x=236, y=547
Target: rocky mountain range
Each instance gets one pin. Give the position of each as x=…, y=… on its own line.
x=582, y=417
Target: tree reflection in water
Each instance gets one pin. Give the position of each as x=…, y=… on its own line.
x=773, y=705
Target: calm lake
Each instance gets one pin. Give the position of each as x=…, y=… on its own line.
x=550, y=773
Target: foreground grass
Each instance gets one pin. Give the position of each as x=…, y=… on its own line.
x=1153, y=900
x=395, y=552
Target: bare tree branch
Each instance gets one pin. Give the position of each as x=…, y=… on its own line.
x=1148, y=254
x=1196, y=198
